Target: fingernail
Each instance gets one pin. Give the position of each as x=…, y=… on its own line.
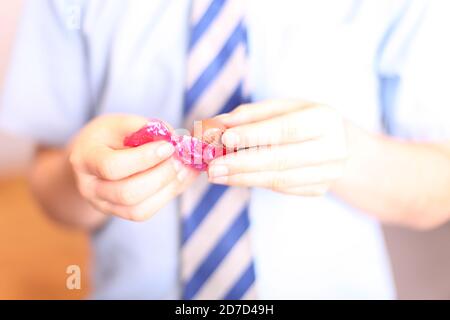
x=219, y=180
x=217, y=171
x=165, y=150
x=230, y=139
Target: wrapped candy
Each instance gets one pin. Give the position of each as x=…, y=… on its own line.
x=211, y=131
x=154, y=130
x=191, y=151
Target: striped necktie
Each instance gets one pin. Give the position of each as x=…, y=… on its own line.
x=216, y=260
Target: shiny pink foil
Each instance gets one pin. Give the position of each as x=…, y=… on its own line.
x=189, y=150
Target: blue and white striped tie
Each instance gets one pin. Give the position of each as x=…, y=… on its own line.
x=216, y=260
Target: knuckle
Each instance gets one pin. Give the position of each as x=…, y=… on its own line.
x=281, y=162
x=242, y=108
x=175, y=189
x=75, y=162
x=288, y=130
x=277, y=183
x=73, y=159
x=106, y=168
x=84, y=192
x=138, y=214
x=127, y=195
x=86, y=189
x=318, y=191
x=100, y=206
x=314, y=190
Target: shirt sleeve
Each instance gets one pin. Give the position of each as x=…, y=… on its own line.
x=46, y=95
x=414, y=73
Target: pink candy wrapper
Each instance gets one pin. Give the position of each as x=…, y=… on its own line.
x=189, y=150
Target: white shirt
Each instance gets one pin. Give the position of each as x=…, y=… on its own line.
x=129, y=56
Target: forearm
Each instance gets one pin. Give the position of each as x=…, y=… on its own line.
x=397, y=182
x=54, y=186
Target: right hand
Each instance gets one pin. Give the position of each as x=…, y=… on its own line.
x=132, y=183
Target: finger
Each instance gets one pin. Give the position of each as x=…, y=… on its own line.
x=278, y=180
x=288, y=128
x=86, y=184
x=110, y=164
x=313, y=190
x=112, y=130
x=152, y=205
x=136, y=188
x=277, y=158
x=254, y=112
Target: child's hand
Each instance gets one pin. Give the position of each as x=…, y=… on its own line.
x=132, y=183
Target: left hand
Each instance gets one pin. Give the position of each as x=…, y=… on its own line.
x=293, y=147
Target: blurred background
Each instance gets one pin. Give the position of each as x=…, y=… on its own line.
x=34, y=252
